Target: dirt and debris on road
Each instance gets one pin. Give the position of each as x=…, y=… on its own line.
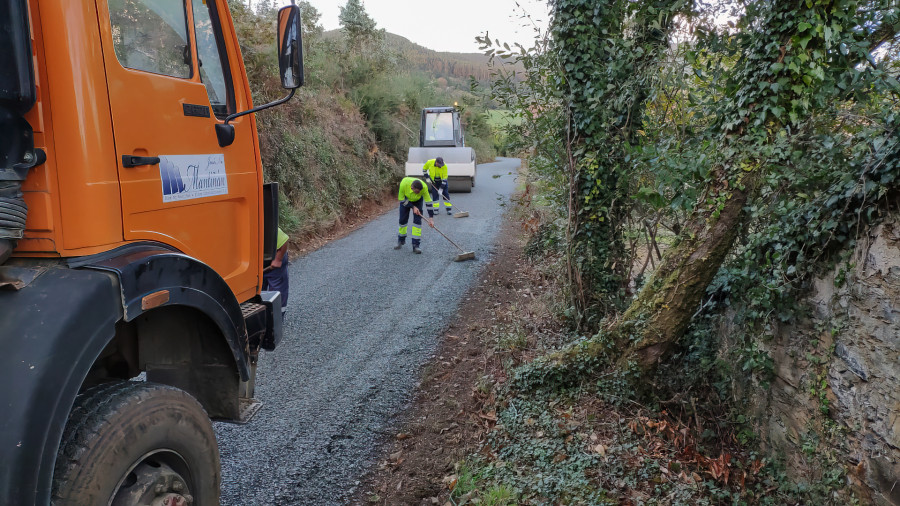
x=451, y=413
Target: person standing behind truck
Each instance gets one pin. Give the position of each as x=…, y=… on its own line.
x=275, y=276
x=410, y=197
x=436, y=171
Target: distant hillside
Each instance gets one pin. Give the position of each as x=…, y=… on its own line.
x=449, y=65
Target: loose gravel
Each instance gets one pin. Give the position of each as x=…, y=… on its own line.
x=363, y=320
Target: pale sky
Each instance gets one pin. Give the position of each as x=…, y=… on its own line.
x=451, y=25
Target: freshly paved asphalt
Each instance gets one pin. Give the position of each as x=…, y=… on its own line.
x=363, y=320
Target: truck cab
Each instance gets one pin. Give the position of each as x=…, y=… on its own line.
x=134, y=228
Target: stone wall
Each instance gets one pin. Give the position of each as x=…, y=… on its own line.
x=835, y=397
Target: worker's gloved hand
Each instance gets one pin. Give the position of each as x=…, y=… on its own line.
x=437, y=182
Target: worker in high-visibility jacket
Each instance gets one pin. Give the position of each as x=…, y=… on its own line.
x=412, y=196
x=275, y=275
x=436, y=171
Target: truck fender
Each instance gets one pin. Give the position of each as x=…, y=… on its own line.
x=43, y=365
x=148, y=268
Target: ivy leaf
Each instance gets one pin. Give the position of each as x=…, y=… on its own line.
x=651, y=196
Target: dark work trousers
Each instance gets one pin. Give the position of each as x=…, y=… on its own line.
x=417, y=222
x=277, y=280
x=436, y=196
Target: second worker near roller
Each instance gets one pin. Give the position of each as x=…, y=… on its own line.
x=435, y=171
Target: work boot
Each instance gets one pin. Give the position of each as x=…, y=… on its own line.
x=416, y=250
x=449, y=212
x=399, y=245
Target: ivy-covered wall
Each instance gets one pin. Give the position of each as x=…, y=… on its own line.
x=833, y=399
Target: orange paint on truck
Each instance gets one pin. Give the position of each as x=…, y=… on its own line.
x=92, y=110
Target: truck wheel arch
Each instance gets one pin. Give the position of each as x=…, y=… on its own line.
x=99, y=302
x=143, y=269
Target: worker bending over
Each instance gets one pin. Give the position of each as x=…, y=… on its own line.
x=411, y=197
x=436, y=171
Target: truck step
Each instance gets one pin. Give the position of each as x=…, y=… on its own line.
x=249, y=408
x=249, y=309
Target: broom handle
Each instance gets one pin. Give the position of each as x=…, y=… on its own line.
x=451, y=240
x=439, y=194
x=439, y=231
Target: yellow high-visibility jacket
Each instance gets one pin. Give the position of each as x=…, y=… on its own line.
x=282, y=238
x=435, y=172
x=406, y=192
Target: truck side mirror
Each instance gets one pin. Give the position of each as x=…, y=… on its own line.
x=290, y=47
x=290, y=63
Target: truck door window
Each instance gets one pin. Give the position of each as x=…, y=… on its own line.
x=213, y=64
x=151, y=35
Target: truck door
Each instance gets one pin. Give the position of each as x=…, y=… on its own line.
x=170, y=83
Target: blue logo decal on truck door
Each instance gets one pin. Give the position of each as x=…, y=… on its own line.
x=186, y=177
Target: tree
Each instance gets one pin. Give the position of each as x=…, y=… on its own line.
x=310, y=27
x=360, y=27
x=762, y=113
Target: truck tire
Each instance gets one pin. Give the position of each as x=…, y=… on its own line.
x=130, y=443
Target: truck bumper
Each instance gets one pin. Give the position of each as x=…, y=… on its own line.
x=274, y=327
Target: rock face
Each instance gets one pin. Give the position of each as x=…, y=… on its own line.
x=834, y=400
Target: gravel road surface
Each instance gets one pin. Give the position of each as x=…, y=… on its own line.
x=363, y=320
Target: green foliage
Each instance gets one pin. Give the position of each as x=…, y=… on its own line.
x=308, y=165
x=383, y=102
x=792, y=105
x=360, y=27
x=467, y=486
x=653, y=115
x=550, y=450
x=542, y=241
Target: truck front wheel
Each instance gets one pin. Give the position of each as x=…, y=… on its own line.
x=131, y=443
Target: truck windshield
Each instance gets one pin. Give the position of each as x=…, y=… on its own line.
x=439, y=126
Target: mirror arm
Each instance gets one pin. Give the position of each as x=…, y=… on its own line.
x=260, y=108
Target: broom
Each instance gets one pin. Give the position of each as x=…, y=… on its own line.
x=463, y=254
x=457, y=214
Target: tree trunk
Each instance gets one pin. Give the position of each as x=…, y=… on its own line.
x=664, y=308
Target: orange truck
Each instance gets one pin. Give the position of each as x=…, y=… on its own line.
x=134, y=229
